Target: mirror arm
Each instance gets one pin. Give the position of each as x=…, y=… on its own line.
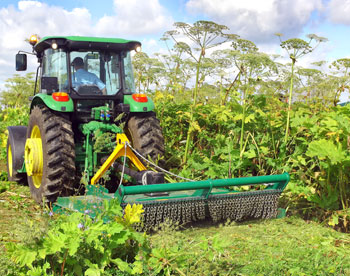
x=24, y=52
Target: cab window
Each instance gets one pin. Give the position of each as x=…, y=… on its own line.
x=55, y=65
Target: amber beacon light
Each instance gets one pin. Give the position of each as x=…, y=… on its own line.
x=33, y=40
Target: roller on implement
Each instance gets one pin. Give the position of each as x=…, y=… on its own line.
x=90, y=132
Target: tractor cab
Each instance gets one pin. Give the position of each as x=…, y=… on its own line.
x=103, y=65
x=76, y=73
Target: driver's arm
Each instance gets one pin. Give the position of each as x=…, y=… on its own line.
x=100, y=85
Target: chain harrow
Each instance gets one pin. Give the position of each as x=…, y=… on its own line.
x=245, y=205
x=179, y=211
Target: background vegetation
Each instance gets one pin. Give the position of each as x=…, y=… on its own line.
x=229, y=112
x=237, y=111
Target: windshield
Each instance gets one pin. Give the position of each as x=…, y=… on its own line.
x=95, y=72
x=92, y=72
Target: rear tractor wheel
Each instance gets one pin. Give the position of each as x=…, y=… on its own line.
x=49, y=155
x=15, y=151
x=146, y=136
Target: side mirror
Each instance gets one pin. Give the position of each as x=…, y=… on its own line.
x=21, y=62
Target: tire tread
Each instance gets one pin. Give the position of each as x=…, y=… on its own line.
x=60, y=156
x=147, y=137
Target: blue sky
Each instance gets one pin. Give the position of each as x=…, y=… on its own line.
x=147, y=20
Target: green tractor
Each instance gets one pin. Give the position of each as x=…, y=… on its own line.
x=75, y=135
x=56, y=148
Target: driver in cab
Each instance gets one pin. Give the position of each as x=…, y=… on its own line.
x=82, y=77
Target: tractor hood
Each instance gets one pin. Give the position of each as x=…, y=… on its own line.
x=86, y=43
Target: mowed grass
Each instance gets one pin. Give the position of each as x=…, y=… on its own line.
x=289, y=246
x=20, y=218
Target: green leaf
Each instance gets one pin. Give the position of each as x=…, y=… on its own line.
x=38, y=271
x=137, y=268
x=26, y=257
x=54, y=242
x=73, y=246
x=301, y=160
x=116, y=228
x=78, y=270
x=42, y=253
x=325, y=149
x=92, y=272
x=238, y=117
x=264, y=150
x=121, y=237
x=330, y=124
x=250, y=154
x=249, y=118
x=123, y=266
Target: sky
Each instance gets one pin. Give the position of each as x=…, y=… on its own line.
x=147, y=20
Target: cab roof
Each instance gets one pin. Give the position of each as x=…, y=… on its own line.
x=72, y=43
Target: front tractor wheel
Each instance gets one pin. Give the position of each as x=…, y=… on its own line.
x=146, y=136
x=49, y=155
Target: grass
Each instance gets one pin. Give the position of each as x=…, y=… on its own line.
x=289, y=246
x=16, y=207
x=20, y=218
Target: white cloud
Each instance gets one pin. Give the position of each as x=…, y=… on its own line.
x=135, y=17
x=338, y=11
x=132, y=19
x=258, y=20
x=34, y=17
x=24, y=5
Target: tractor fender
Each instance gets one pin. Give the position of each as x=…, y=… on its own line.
x=17, y=136
x=139, y=106
x=52, y=104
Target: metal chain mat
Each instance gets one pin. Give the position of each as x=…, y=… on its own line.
x=245, y=205
x=256, y=204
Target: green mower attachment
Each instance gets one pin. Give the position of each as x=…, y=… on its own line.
x=192, y=201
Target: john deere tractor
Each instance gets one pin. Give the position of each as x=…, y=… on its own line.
x=83, y=128
x=67, y=117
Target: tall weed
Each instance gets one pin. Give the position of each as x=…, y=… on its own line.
x=316, y=153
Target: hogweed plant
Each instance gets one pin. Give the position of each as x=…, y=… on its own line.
x=297, y=48
x=204, y=35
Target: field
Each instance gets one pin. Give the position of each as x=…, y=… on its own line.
x=225, y=112
x=288, y=246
